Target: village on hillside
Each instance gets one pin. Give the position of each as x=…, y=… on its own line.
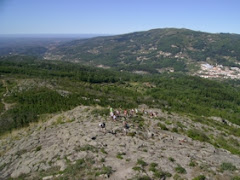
x=218, y=71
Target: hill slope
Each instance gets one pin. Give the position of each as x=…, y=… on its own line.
x=70, y=145
x=155, y=50
x=50, y=110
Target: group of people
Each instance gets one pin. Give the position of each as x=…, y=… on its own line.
x=125, y=113
x=114, y=115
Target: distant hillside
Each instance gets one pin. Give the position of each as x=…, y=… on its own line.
x=155, y=50
x=35, y=44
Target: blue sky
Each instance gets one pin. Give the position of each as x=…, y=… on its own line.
x=116, y=16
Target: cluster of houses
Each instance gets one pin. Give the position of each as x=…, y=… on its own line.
x=219, y=71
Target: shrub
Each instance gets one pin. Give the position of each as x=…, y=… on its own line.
x=141, y=162
x=144, y=178
x=175, y=130
x=137, y=168
x=101, y=112
x=177, y=177
x=160, y=174
x=200, y=177
x=192, y=163
x=171, y=159
x=103, y=151
x=227, y=167
x=87, y=147
x=180, y=169
x=197, y=135
x=236, y=178
x=105, y=170
x=38, y=148
x=162, y=126
x=119, y=155
x=152, y=167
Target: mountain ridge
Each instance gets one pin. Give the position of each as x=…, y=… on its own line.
x=152, y=51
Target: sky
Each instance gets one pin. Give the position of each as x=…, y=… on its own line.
x=117, y=16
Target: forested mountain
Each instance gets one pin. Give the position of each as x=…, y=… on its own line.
x=154, y=50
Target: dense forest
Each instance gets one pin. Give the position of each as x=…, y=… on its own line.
x=38, y=87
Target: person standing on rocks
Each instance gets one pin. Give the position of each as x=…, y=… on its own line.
x=125, y=127
x=111, y=113
x=102, y=127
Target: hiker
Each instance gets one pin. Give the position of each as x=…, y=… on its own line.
x=111, y=109
x=114, y=117
x=125, y=127
x=117, y=113
x=132, y=111
x=125, y=113
x=136, y=110
x=102, y=126
x=111, y=115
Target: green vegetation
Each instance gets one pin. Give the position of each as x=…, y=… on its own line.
x=162, y=126
x=103, y=151
x=87, y=147
x=141, y=163
x=192, y=163
x=177, y=177
x=225, y=166
x=171, y=159
x=38, y=148
x=231, y=144
x=60, y=86
x=179, y=169
x=162, y=48
x=197, y=135
x=104, y=170
x=200, y=177
x=236, y=178
x=119, y=155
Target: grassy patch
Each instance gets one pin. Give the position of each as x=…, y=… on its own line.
x=230, y=145
x=171, y=159
x=104, y=170
x=197, y=135
x=138, y=120
x=100, y=112
x=225, y=166
x=162, y=126
x=119, y=155
x=200, y=177
x=192, y=163
x=177, y=177
x=103, y=151
x=141, y=163
x=87, y=147
x=137, y=168
x=38, y=148
x=179, y=169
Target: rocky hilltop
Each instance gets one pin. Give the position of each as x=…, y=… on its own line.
x=158, y=145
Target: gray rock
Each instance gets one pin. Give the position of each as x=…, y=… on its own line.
x=22, y=170
x=47, y=177
x=61, y=164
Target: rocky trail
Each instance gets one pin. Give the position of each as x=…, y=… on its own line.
x=71, y=144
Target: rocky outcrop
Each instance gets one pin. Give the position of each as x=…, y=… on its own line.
x=69, y=136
